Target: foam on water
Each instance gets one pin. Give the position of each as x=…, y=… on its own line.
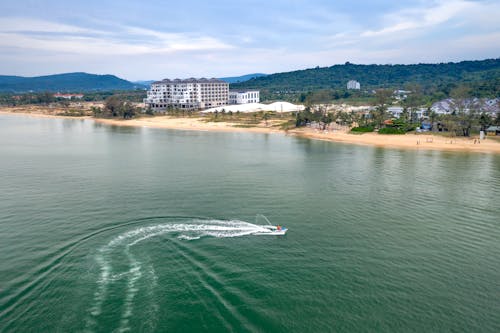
x=124, y=243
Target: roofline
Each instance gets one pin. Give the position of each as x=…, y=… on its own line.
x=190, y=80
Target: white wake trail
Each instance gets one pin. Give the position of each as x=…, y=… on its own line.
x=124, y=242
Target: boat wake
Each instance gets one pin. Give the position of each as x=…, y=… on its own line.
x=118, y=254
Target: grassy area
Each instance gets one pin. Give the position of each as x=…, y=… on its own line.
x=252, y=119
x=74, y=113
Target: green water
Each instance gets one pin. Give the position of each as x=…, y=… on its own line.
x=113, y=229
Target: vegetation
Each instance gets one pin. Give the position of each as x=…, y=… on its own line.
x=46, y=98
x=65, y=82
x=362, y=129
x=436, y=80
x=465, y=120
x=116, y=108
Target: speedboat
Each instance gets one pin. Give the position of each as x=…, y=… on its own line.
x=271, y=230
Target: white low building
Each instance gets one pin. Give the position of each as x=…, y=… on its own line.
x=395, y=111
x=187, y=94
x=256, y=107
x=244, y=96
x=353, y=84
x=480, y=105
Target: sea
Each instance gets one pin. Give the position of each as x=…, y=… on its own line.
x=115, y=229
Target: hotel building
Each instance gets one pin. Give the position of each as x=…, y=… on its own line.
x=189, y=94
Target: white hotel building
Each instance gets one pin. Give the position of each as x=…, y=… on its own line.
x=187, y=94
x=244, y=96
x=353, y=84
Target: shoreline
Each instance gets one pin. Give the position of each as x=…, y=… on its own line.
x=407, y=141
x=428, y=142
x=42, y=115
x=186, y=124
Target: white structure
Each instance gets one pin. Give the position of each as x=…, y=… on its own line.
x=187, y=94
x=256, y=107
x=244, y=96
x=352, y=84
x=68, y=96
x=449, y=106
x=395, y=111
x=401, y=94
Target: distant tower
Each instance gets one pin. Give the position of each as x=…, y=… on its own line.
x=352, y=84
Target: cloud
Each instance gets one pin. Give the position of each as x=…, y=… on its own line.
x=21, y=24
x=422, y=18
x=34, y=34
x=275, y=36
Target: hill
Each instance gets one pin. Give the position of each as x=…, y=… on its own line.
x=242, y=78
x=146, y=83
x=65, y=82
x=483, y=75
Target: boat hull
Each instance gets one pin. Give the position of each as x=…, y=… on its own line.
x=272, y=231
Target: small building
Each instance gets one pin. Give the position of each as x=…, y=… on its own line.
x=401, y=94
x=353, y=84
x=395, y=111
x=244, y=96
x=493, y=130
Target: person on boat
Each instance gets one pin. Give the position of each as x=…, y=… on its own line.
x=278, y=227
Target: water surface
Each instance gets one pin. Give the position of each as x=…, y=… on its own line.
x=113, y=229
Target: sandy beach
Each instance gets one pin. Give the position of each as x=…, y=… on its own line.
x=189, y=124
x=409, y=141
x=45, y=111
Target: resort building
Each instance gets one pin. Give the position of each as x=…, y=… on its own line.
x=395, y=111
x=244, y=96
x=352, y=84
x=189, y=94
x=415, y=113
x=479, y=105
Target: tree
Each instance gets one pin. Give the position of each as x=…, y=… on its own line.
x=325, y=120
x=304, y=117
x=265, y=117
x=127, y=110
x=96, y=111
x=464, y=107
x=112, y=106
x=413, y=100
x=484, y=121
x=382, y=99
x=45, y=98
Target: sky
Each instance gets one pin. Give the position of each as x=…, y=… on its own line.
x=151, y=40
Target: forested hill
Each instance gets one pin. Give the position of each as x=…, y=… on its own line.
x=65, y=82
x=483, y=74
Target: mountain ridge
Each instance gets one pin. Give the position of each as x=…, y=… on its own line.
x=379, y=76
x=65, y=82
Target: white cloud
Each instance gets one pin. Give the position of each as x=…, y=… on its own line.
x=32, y=34
x=423, y=18
x=21, y=24
x=431, y=31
